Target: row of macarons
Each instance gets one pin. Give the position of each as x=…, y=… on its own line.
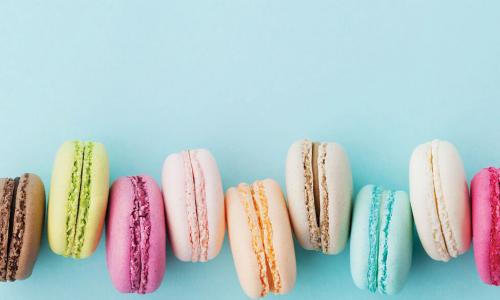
x=192, y=208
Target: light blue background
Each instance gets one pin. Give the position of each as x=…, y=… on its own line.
x=245, y=79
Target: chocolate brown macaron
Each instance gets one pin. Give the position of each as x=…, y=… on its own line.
x=22, y=208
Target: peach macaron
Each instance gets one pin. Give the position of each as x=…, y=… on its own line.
x=260, y=237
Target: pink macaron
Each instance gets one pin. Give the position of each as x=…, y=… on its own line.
x=135, y=235
x=485, y=191
x=194, y=204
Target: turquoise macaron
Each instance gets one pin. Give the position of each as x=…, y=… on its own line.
x=381, y=239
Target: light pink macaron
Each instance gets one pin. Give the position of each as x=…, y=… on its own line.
x=194, y=205
x=135, y=235
x=485, y=191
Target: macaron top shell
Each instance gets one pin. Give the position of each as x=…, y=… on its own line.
x=440, y=200
x=22, y=225
x=135, y=235
x=194, y=205
x=319, y=192
x=381, y=240
x=78, y=198
x=485, y=192
x=260, y=238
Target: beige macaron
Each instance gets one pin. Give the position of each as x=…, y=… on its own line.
x=440, y=200
x=319, y=193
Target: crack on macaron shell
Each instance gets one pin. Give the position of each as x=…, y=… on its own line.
x=247, y=202
x=192, y=217
x=18, y=224
x=444, y=221
x=84, y=200
x=494, y=246
x=260, y=199
x=388, y=209
x=201, y=205
x=140, y=231
x=73, y=197
x=373, y=238
x=307, y=161
x=323, y=192
x=5, y=208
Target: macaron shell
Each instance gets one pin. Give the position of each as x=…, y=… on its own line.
x=423, y=204
x=456, y=195
x=400, y=244
x=240, y=241
x=34, y=217
x=295, y=182
x=339, y=183
x=59, y=190
x=121, y=204
x=99, y=188
x=482, y=192
x=214, y=201
x=360, y=246
x=118, y=234
x=173, y=175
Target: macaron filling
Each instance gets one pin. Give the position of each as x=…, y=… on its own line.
x=140, y=231
x=381, y=210
x=12, y=225
x=388, y=209
x=444, y=230
x=494, y=247
x=78, y=203
x=373, y=235
x=17, y=225
x=255, y=203
x=196, y=207
x=74, y=195
x=316, y=194
x=84, y=201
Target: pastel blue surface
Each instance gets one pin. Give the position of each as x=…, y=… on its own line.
x=245, y=79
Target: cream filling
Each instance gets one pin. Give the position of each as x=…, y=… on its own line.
x=255, y=203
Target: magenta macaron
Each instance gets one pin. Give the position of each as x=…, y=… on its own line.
x=135, y=235
x=194, y=204
x=485, y=191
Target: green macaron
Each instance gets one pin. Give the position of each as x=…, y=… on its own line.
x=78, y=198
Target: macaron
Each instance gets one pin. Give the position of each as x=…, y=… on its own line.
x=381, y=240
x=78, y=198
x=485, y=192
x=319, y=193
x=260, y=237
x=194, y=205
x=440, y=200
x=22, y=208
x=135, y=235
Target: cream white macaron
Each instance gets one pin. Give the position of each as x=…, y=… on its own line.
x=440, y=200
x=319, y=192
